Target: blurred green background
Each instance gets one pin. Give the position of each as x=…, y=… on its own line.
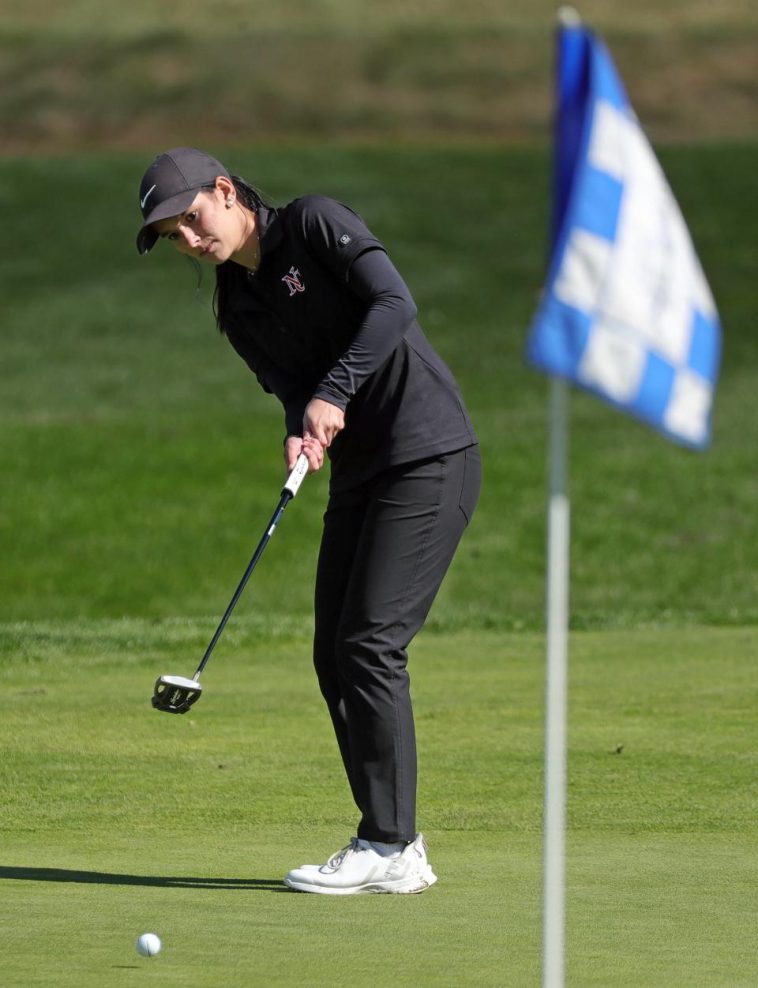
x=140, y=458
x=83, y=73
x=140, y=461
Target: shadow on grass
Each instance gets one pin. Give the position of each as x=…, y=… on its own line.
x=159, y=881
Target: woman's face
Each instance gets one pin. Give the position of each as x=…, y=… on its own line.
x=208, y=229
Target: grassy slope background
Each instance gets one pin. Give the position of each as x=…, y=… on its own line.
x=82, y=72
x=144, y=460
x=140, y=462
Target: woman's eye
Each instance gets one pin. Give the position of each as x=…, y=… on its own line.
x=171, y=236
x=191, y=217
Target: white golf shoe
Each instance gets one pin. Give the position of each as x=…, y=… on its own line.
x=358, y=869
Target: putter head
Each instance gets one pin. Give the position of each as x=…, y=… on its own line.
x=175, y=694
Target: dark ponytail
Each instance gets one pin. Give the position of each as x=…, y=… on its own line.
x=230, y=275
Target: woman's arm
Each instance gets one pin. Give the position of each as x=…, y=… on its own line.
x=390, y=311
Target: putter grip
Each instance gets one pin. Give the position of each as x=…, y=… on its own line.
x=297, y=476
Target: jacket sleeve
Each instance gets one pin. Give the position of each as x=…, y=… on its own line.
x=390, y=311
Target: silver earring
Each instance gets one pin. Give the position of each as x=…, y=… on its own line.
x=229, y=203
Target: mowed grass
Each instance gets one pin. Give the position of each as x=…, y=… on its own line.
x=117, y=820
x=140, y=464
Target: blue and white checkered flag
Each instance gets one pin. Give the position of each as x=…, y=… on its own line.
x=626, y=312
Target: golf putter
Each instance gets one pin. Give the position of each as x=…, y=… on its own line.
x=176, y=694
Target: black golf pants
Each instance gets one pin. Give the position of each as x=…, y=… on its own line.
x=385, y=549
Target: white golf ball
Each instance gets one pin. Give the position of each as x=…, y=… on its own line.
x=148, y=944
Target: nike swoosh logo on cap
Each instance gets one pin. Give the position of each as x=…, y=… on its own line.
x=147, y=196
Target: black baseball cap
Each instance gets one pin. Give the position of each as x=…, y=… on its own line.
x=169, y=186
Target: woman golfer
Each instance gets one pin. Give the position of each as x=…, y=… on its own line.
x=309, y=299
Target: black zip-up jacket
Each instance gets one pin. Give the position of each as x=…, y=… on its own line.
x=326, y=315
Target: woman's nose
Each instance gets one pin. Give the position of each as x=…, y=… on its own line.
x=189, y=237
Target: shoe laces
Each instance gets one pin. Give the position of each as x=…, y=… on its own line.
x=339, y=856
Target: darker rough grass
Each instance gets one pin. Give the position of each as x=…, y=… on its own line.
x=146, y=77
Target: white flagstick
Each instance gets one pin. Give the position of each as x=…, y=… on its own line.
x=558, y=541
x=556, y=686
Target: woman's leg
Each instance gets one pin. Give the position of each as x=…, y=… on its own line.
x=343, y=522
x=384, y=554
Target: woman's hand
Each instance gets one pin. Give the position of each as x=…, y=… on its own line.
x=295, y=445
x=322, y=421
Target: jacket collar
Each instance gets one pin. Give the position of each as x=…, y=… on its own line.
x=270, y=230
